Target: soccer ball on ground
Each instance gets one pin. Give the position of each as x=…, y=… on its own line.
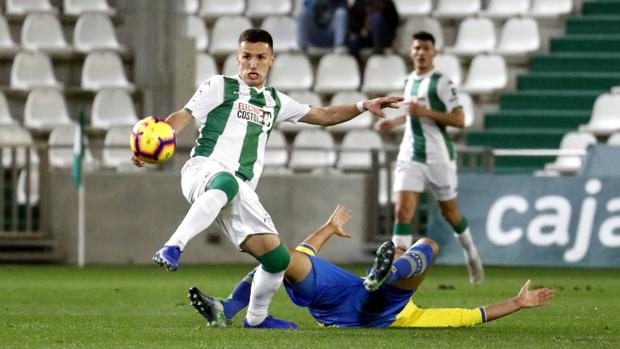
x=152, y=140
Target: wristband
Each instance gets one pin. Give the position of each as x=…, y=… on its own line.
x=360, y=106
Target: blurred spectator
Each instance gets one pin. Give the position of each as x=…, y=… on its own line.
x=372, y=23
x=324, y=23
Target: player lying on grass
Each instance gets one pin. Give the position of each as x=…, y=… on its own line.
x=338, y=298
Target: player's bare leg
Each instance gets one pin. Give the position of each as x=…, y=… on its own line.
x=450, y=211
x=406, y=203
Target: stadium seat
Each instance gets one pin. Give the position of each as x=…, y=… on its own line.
x=306, y=97
x=195, y=28
x=217, y=8
x=475, y=36
x=361, y=122
x=188, y=7
x=487, y=74
x=550, y=8
x=7, y=45
x=456, y=8
x=283, y=29
x=95, y=31
x=104, y=70
x=5, y=112
x=506, y=9
x=570, y=164
x=470, y=114
x=116, y=154
x=112, y=107
x=31, y=70
x=45, y=109
x=415, y=24
x=22, y=7
x=60, y=145
x=226, y=31
x=605, y=119
x=79, y=7
x=449, y=65
x=337, y=73
x=276, y=153
x=355, y=153
x=614, y=139
x=20, y=138
x=384, y=73
x=408, y=8
x=43, y=31
x=230, y=65
x=262, y=8
x=519, y=36
x=312, y=149
x=291, y=72
x=28, y=194
x=205, y=68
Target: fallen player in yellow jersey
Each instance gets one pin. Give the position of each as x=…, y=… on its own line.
x=338, y=298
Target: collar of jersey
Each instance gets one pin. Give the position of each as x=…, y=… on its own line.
x=236, y=76
x=423, y=76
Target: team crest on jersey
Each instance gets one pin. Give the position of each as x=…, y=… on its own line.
x=254, y=114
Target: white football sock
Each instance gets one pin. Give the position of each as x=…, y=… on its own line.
x=264, y=286
x=467, y=243
x=403, y=241
x=199, y=217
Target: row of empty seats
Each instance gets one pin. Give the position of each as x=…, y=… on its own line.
x=43, y=31
x=46, y=108
x=70, y=7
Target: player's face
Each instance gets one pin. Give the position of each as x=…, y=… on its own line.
x=422, y=54
x=254, y=60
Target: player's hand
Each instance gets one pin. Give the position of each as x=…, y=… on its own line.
x=136, y=162
x=339, y=218
x=375, y=105
x=416, y=109
x=384, y=125
x=534, y=298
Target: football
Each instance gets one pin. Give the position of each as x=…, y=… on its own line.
x=152, y=140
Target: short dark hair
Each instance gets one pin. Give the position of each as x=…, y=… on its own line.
x=256, y=35
x=424, y=36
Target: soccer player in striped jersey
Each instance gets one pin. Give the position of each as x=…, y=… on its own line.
x=237, y=114
x=338, y=298
x=426, y=159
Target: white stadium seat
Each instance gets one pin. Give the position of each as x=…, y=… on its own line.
x=264, y=8
x=312, y=149
x=487, y=74
x=7, y=45
x=416, y=24
x=506, y=9
x=95, y=31
x=570, y=164
x=605, y=119
x=384, y=73
x=205, y=68
x=276, y=153
x=551, y=8
x=225, y=34
x=355, y=153
x=456, y=8
x=408, y=8
x=475, y=36
x=218, y=8
x=337, y=73
x=230, y=65
x=104, y=70
x=614, y=139
x=5, y=113
x=519, y=36
x=449, y=65
x=45, y=109
x=116, y=154
x=22, y=7
x=60, y=144
x=113, y=107
x=79, y=7
x=42, y=31
x=20, y=138
x=195, y=28
x=188, y=7
x=32, y=70
x=292, y=72
x=283, y=29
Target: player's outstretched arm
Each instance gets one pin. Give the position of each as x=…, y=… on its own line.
x=386, y=125
x=333, y=226
x=337, y=114
x=525, y=299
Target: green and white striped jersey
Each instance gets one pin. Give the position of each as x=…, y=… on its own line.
x=236, y=121
x=425, y=140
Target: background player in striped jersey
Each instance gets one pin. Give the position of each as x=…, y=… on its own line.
x=426, y=159
x=237, y=113
x=336, y=297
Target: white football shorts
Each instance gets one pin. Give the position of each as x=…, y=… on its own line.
x=439, y=178
x=243, y=217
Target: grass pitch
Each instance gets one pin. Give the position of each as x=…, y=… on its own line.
x=145, y=307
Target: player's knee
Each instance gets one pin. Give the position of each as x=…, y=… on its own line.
x=227, y=183
x=429, y=247
x=276, y=260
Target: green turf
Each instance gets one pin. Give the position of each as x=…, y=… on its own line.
x=144, y=307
